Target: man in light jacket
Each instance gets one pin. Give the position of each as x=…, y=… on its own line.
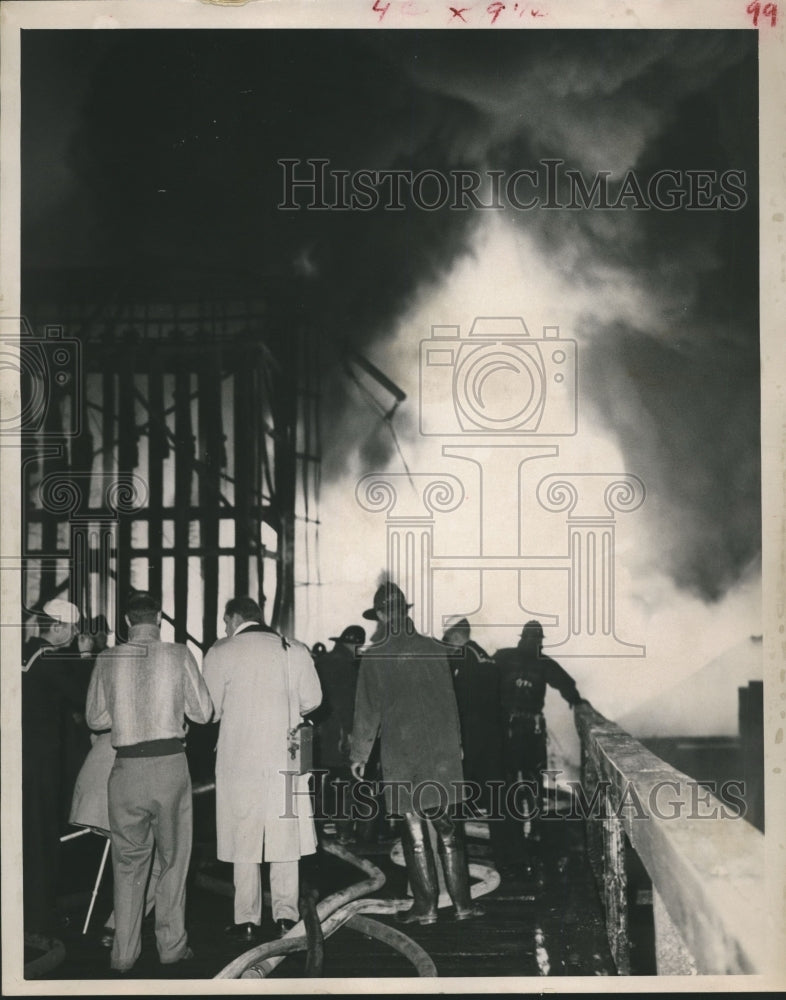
x=261, y=685
x=142, y=691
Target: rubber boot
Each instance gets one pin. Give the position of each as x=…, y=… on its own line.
x=454, y=864
x=422, y=873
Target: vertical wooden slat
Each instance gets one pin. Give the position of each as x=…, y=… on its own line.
x=108, y=428
x=245, y=420
x=126, y=463
x=314, y=352
x=80, y=568
x=31, y=568
x=157, y=450
x=264, y=484
x=184, y=455
x=285, y=417
x=53, y=461
x=211, y=447
x=303, y=464
x=82, y=538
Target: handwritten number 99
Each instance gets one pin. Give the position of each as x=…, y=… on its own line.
x=769, y=10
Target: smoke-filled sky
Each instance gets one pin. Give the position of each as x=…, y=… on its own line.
x=158, y=149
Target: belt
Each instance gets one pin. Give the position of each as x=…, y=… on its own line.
x=536, y=718
x=153, y=748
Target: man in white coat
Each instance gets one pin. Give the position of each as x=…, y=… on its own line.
x=261, y=684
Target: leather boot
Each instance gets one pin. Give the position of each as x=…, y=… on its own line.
x=450, y=845
x=422, y=872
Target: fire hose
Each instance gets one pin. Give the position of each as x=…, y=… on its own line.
x=346, y=907
x=52, y=954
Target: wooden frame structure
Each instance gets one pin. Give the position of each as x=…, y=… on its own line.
x=182, y=456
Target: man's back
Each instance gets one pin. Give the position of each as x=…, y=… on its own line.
x=524, y=675
x=405, y=692
x=260, y=685
x=144, y=688
x=412, y=671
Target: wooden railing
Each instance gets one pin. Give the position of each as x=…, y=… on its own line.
x=707, y=866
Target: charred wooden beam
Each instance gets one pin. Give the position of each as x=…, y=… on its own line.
x=127, y=461
x=285, y=445
x=184, y=456
x=157, y=453
x=245, y=423
x=211, y=448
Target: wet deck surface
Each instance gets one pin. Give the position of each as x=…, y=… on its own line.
x=544, y=919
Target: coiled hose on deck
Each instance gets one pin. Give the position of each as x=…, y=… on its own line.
x=346, y=907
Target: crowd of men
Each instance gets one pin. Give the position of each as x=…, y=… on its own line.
x=442, y=724
x=458, y=733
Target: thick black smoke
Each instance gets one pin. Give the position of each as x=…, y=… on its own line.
x=172, y=143
x=173, y=161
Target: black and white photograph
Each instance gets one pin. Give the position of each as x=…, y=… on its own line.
x=392, y=525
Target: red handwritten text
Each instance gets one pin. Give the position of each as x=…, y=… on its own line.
x=769, y=10
x=491, y=13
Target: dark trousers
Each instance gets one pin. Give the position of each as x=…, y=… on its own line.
x=334, y=800
x=40, y=838
x=150, y=808
x=526, y=753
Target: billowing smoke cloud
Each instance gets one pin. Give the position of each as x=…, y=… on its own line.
x=677, y=384
x=172, y=156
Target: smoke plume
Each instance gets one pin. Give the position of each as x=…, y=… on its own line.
x=171, y=143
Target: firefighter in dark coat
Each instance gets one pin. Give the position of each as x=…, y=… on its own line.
x=338, y=675
x=476, y=683
x=524, y=674
x=49, y=690
x=405, y=694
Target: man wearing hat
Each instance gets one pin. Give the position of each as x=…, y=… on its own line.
x=371, y=614
x=338, y=675
x=405, y=694
x=524, y=674
x=49, y=690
